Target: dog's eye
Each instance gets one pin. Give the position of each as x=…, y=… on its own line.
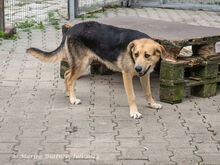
x=136, y=54
x=146, y=55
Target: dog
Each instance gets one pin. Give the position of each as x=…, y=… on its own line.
x=124, y=50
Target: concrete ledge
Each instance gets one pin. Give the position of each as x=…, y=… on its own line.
x=182, y=6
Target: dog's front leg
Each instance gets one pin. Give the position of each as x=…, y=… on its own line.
x=127, y=78
x=145, y=83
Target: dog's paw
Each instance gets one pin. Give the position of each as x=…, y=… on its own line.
x=135, y=115
x=75, y=101
x=155, y=105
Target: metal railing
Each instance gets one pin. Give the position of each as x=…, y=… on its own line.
x=86, y=5
x=16, y=11
x=36, y=11
x=212, y=5
x=78, y=7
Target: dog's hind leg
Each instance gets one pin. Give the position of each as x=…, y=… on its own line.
x=145, y=83
x=127, y=78
x=71, y=80
x=66, y=76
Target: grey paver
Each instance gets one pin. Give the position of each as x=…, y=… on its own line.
x=36, y=117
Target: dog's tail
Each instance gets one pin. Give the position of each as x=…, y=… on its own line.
x=53, y=56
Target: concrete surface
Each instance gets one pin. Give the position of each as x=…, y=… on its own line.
x=39, y=126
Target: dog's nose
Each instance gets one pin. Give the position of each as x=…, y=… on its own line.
x=138, y=68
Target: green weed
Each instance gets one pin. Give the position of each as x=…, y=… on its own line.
x=53, y=20
x=20, y=4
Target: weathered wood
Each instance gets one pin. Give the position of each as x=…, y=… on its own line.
x=206, y=90
x=171, y=82
x=203, y=71
x=204, y=50
x=2, y=16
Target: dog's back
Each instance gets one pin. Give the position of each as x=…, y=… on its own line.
x=105, y=40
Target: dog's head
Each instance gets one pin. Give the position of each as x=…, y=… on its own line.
x=145, y=53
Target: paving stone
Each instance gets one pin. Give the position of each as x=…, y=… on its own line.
x=55, y=138
x=104, y=147
x=101, y=112
x=131, y=162
x=51, y=162
x=32, y=133
x=103, y=124
x=6, y=148
x=79, y=142
x=23, y=162
x=8, y=137
x=5, y=158
x=162, y=159
x=106, y=162
x=207, y=148
x=191, y=160
x=132, y=153
x=105, y=157
x=81, y=162
x=28, y=146
x=104, y=136
x=176, y=143
x=130, y=142
x=212, y=158
x=54, y=148
x=153, y=138
x=82, y=153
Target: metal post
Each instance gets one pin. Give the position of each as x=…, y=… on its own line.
x=2, y=16
x=72, y=9
x=163, y=1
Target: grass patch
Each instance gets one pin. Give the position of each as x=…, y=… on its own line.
x=26, y=24
x=91, y=15
x=3, y=35
x=20, y=4
x=38, y=2
x=29, y=24
x=53, y=20
x=39, y=26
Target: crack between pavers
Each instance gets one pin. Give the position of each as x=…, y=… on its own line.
x=65, y=160
x=115, y=126
x=16, y=145
x=207, y=124
x=139, y=131
x=183, y=123
x=10, y=102
x=14, y=91
x=165, y=134
x=46, y=116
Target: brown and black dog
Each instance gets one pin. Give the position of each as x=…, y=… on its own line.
x=128, y=51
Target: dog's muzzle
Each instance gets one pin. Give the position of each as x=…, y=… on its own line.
x=143, y=73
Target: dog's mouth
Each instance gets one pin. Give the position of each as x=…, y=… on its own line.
x=143, y=73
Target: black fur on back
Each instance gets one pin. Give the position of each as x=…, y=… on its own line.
x=105, y=40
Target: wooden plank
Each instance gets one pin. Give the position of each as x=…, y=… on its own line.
x=2, y=16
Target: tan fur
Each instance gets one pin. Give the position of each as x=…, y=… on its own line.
x=59, y=56
x=127, y=78
x=145, y=83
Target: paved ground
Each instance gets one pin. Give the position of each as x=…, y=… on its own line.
x=38, y=125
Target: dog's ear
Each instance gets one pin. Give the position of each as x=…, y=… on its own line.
x=131, y=46
x=162, y=51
